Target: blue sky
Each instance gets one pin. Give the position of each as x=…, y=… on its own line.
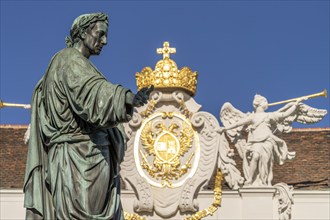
x=279, y=49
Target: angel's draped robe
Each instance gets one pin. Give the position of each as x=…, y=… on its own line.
x=76, y=142
x=261, y=140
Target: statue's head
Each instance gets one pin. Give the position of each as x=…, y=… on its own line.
x=260, y=101
x=90, y=30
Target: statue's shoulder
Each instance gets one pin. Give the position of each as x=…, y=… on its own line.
x=66, y=56
x=70, y=53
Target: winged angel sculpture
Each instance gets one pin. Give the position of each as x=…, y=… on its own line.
x=260, y=146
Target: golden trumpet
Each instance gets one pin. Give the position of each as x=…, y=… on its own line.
x=323, y=93
x=5, y=104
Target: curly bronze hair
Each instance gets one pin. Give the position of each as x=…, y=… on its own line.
x=81, y=24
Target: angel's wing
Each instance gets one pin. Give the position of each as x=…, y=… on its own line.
x=303, y=114
x=27, y=135
x=309, y=115
x=230, y=115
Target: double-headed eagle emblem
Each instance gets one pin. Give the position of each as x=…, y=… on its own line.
x=167, y=146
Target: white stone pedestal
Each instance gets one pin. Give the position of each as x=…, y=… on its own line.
x=257, y=203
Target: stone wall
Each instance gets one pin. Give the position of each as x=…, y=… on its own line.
x=311, y=167
x=309, y=170
x=244, y=204
x=13, y=154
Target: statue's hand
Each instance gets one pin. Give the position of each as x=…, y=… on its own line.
x=301, y=99
x=220, y=130
x=142, y=96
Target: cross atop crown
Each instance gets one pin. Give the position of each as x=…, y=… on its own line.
x=166, y=50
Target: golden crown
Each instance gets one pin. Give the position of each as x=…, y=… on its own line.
x=166, y=74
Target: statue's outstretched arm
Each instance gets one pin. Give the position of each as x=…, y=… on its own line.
x=293, y=108
x=244, y=121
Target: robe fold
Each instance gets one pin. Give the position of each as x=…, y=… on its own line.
x=76, y=142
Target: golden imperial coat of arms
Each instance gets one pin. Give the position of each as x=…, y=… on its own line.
x=169, y=149
x=173, y=148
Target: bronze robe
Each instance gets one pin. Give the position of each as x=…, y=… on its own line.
x=76, y=142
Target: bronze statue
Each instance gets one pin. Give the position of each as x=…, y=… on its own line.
x=76, y=140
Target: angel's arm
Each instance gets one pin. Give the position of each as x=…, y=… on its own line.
x=244, y=121
x=288, y=112
x=292, y=109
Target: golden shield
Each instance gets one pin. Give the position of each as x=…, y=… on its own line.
x=166, y=149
